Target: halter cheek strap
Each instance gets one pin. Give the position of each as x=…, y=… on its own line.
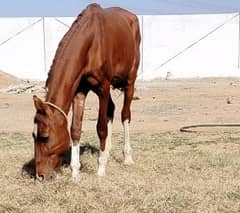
x=57, y=108
x=62, y=112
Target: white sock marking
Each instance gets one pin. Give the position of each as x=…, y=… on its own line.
x=75, y=161
x=103, y=155
x=108, y=145
x=102, y=161
x=127, y=147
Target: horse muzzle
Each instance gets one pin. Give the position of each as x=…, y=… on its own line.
x=42, y=177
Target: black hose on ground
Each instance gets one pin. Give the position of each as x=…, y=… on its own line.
x=187, y=128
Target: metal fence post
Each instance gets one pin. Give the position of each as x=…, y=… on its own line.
x=44, y=45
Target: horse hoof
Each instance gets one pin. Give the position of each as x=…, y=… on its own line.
x=75, y=176
x=101, y=172
x=128, y=160
x=75, y=179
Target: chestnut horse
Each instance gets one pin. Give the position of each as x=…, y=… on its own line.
x=100, y=49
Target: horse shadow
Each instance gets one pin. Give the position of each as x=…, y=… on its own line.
x=29, y=167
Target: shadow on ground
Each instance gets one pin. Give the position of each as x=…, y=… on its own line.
x=29, y=167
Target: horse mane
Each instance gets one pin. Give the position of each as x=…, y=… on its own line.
x=74, y=29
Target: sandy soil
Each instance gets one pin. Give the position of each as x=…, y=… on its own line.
x=161, y=106
x=7, y=79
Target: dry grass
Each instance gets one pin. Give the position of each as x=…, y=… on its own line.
x=174, y=172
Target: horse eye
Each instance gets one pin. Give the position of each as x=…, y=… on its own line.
x=33, y=135
x=41, y=139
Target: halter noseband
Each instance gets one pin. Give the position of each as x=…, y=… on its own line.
x=57, y=108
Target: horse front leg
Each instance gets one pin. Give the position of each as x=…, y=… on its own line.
x=104, y=128
x=76, y=127
x=126, y=118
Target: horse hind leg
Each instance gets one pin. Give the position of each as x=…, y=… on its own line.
x=126, y=118
x=77, y=109
x=128, y=96
x=110, y=116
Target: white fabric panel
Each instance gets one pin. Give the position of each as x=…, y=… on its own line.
x=167, y=36
x=55, y=29
x=22, y=54
x=140, y=68
x=178, y=45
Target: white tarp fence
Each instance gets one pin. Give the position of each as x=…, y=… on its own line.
x=172, y=45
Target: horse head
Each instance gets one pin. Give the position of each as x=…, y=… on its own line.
x=51, y=139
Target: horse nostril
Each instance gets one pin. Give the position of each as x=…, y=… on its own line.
x=40, y=177
x=52, y=175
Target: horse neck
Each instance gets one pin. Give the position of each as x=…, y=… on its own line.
x=60, y=95
x=65, y=75
x=62, y=85
x=68, y=64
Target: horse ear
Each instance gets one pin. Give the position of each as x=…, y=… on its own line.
x=37, y=102
x=40, y=105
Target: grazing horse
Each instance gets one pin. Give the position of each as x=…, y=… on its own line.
x=100, y=49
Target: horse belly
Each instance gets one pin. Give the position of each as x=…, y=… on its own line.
x=119, y=82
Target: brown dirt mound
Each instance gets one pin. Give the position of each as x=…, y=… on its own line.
x=7, y=79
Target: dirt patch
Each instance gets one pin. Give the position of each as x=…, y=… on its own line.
x=7, y=79
x=173, y=171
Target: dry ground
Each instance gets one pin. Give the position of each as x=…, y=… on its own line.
x=173, y=171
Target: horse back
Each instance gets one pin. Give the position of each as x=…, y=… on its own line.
x=114, y=51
